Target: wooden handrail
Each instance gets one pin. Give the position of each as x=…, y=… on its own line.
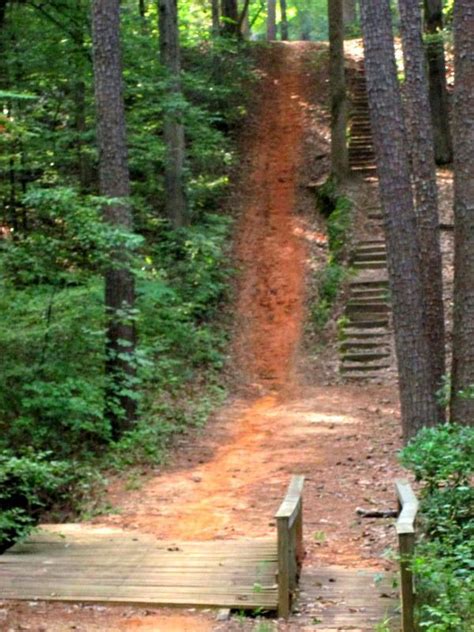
x=405, y=526
x=289, y=519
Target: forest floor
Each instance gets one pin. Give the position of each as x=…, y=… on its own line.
x=288, y=413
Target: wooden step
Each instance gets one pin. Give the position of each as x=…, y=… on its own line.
x=368, y=356
x=356, y=306
x=370, y=265
x=346, y=366
x=368, y=257
x=375, y=343
x=375, y=323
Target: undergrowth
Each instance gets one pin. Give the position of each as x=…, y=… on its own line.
x=442, y=459
x=55, y=440
x=337, y=209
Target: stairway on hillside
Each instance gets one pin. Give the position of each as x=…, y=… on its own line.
x=367, y=348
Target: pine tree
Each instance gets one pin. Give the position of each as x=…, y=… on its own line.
x=424, y=177
x=462, y=402
x=418, y=402
x=115, y=184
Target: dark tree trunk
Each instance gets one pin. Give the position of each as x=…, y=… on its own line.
x=271, y=20
x=84, y=167
x=173, y=128
x=284, y=21
x=141, y=8
x=462, y=408
x=337, y=79
x=438, y=90
x=426, y=191
x=230, y=18
x=215, y=17
x=418, y=403
x=3, y=10
x=114, y=183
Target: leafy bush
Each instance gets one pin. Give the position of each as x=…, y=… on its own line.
x=328, y=289
x=442, y=458
x=28, y=485
x=338, y=210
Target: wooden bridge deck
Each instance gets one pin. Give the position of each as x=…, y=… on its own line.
x=77, y=563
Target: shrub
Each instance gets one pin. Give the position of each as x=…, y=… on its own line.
x=442, y=458
x=28, y=485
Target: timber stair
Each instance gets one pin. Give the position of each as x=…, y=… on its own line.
x=366, y=352
x=361, y=148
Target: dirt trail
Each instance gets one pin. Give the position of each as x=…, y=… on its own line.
x=229, y=481
x=269, y=244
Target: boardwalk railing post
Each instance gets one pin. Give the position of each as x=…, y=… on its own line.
x=290, y=544
x=283, y=567
x=405, y=526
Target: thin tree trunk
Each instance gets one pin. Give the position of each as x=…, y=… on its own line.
x=215, y=17
x=141, y=8
x=84, y=170
x=426, y=191
x=114, y=183
x=462, y=408
x=438, y=89
x=173, y=128
x=337, y=80
x=284, y=21
x=271, y=20
x=350, y=12
x=418, y=403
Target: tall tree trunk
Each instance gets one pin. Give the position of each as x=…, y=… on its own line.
x=462, y=408
x=271, y=20
x=350, y=12
x=230, y=18
x=418, y=402
x=173, y=128
x=337, y=80
x=114, y=183
x=284, y=21
x=438, y=90
x=141, y=8
x=426, y=191
x=215, y=17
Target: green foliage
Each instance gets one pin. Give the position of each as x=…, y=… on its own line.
x=57, y=247
x=330, y=282
x=338, y=210
x=338, y=225
x=28, y=485
x=443, y=459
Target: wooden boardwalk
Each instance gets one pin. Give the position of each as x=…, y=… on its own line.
x=78, y=563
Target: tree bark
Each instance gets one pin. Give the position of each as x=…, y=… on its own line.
x=426, y=190
x=438, y=90
x=418, y=403
x=462, y=408
x=114, y=183
x=337, y=80
x=173, y=128
x=215, y=17
x=230, y=18
x=284, y=21
x=271, y=20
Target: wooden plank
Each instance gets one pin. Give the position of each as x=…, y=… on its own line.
x=289, y=507
x=409, y=507
x=98, y=568
x=283, y=567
